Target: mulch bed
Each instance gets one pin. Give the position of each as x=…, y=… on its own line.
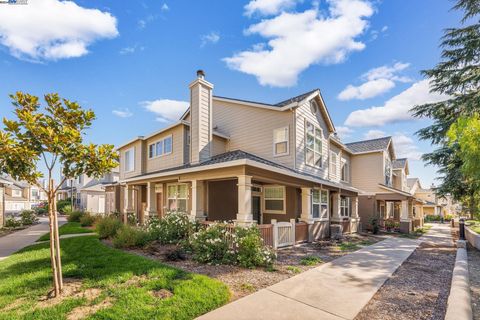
x=419, y=288
x=242, y=282
x=474, y=271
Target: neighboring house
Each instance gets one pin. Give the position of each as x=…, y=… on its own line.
x=20, y=195
x=450, y=206
x=3, y=183
x=88, y=193
x=383, y=179
x=432, y=206
x=231, y=159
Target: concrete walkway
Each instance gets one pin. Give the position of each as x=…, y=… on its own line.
x=333, y=291
x=23, y=238
x=440, y=235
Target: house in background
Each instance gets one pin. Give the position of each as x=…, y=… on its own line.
x=383, y=179
x=251, y=162
x=20, y=195
x=431, y=205
x=3, y=184
x=88, y=193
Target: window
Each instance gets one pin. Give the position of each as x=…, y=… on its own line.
x=388, y=172
x=280, y=141
x=313, y=107
x=177, y=195
x=344, y=206
x=345, y=171
x=333, y=162
x=319, y=203
x=130, y=160
x=274, y=199
x=160, y=148
x=313, y=143
x=16, y=193
x=34, y=193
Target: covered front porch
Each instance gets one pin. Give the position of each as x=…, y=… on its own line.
x=400, y=211
x=245, y=195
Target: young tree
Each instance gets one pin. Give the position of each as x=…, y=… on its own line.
x=53, y=135
x=457, y=76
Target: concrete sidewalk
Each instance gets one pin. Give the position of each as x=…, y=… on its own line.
x=336, y=290
x=23, y=238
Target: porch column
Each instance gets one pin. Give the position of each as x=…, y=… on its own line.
x=405, y=217
x=129, y=202
x=354, y=204
x=151, y=210
x=244, y=215
x=336, y=207
x=198, y=197
x=306, y=215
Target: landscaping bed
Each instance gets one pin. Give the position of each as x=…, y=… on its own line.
x=102, y=283
x=68, y=228
x=419, y=288
x=290, y=261
x=474, y=272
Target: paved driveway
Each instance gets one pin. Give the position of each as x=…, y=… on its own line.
x=23, y=238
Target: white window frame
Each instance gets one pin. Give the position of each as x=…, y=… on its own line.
x=344, y=171
x=333, y=154
x=287, y=140
x=129, y=151
x=265, y=199
x=345, y=207
x=176, y=196
x=321, y=204
x=388, y=164
x=315, y=127
x=162, y=142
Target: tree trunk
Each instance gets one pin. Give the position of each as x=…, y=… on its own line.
x=57, y=245
x=52, y=243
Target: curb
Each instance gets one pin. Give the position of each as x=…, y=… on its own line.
x=459, y=305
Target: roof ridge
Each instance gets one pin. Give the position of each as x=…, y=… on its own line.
x=307, y=93
x=376, y=139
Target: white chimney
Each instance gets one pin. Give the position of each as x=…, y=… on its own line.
x=201, y=119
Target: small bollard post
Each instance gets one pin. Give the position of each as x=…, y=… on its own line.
x=461, y=225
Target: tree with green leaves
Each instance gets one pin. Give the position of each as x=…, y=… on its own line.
x=457, y=76
x=52, y=135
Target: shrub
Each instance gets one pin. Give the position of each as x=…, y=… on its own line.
x=41, y=209
x=61, y=204
x=10, y=222
x=249, y=249
x=87, y=220
x=374, y=223
x=75, y=216
x=172, y=228
x=130, y=237
x=310, y=260
x=28, y=217
x=448, y=217
x=132, y=218
x=107, y=227
x=67, y=209
x=210, y=245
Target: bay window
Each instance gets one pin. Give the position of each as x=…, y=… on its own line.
x=177, y=197
x=274, y=199
x=313, y=145
x=319, y=204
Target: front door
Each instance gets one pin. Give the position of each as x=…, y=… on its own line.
x=159, y=204
x=256, y=209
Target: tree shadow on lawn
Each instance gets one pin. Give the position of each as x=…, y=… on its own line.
x=27, y=274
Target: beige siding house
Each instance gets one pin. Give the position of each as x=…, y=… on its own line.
x=249, y=162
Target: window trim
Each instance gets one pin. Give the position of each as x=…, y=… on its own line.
x=346, y=207
x=320, y=204
x=331, y=163
x=132, y=150
x=314, y=138
x=284, y=199
x=176, y=198
x=154, y=144
x=276, y=142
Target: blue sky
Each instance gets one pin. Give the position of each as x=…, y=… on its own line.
x=131, y=61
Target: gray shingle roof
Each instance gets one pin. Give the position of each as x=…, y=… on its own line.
x=399, y=163
x=279, y=104
x=411, y=182
x=369, y=145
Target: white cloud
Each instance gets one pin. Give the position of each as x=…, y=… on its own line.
x=344, y=132
x=300, y=39
x=165, y=7
x=52, y=29
x=131, y=49
x=377, y=81
x=212, y=37
x=166, y=110
x=268, y=7
x=142, y=23
x=122, y=113
x=395, y=109
x=374, y=134
x=405, y=147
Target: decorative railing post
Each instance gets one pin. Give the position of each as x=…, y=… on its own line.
x=275, y=234
x=292, y=233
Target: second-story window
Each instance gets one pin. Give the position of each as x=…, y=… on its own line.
x=130, y=160
x=388, y=172
x=160, y=148
x=345, y=171
x=280, y=141
x=333, y=162
x=313, y=144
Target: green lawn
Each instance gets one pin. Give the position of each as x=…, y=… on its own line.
x=67, y=228
x=127, y=281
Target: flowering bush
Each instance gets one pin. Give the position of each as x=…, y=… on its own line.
x=172, y=228
x=28, y=217
x=220, y=244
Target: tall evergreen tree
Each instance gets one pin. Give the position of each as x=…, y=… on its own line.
x=457, y=75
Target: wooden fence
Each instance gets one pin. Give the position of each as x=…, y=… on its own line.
x=266, y=232
x=301, y=232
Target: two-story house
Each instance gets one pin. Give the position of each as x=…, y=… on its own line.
x=383, y=179
x=232, y=159
x=20, y=195
x=431, y=203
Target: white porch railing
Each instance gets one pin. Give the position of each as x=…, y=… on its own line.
x=283, y=233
